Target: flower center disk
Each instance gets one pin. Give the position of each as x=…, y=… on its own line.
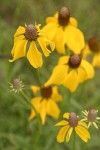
x=64, y=16
x=92, y=115
x=74, y=61
x=94, y=44
x=73, y=121
x=31, y=32
x=46, y=92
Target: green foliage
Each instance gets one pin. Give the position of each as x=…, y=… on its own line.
x=16, y=132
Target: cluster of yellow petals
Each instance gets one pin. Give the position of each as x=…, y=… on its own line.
x=45, y=106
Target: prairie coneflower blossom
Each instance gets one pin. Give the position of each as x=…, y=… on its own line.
x=70, y=71
x=70, y=124
x=46, y=103
x=93, y=49
x=62, y=29
x=31, y=35
x=91, y=117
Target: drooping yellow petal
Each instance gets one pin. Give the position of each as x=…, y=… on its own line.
x=69, y=134
x=43, y=45
x=66, y=115
x=43, y=111
x=58, y=75
x=88, y=68
x=73, y=22
x=50, y=30
x=63, y=60
x=74, y=39
x=20, y=31
x=96, y=60
x=95, y=125
x=36, y=103
x=55, y=94
x=51, y=20
x=81, y=123
x=62, y=123
x=84, y=131
x=52, y=109
x=71, y=81
x=81, y=74
x=35, y=89
x=86, y=51
x=19, y=50
x=60, y=40
x=34, y=56
x=62, y=133
x=82, y=135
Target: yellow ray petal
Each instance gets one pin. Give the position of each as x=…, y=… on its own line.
x=62, y=133
x=20, y=31
x=36, y=103
x=19, y=50
x=43, y=45
x=43, y=111
x=88, y=68
x=55, y=94
x=71, y=81
x=74, y=39
x=34, y=56
x=81, y=134
x=73, y=22
x=58, y=75
x=69, y=134
x=86, y=51
x=52, y=109
x=95, y=125
x=50, y=30
x=63, y=60
x=81, y=123
x=84, y=131
x=96, y=60
x=59, y=40
x=51, y=20
x=62, y=123
x=81, y=74
x=66, y=115
x=35, y=89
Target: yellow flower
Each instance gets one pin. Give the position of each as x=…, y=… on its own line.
x=62, y=29
x=33, y=36
x=70, y=71
x=71, y=123
x=91, y=117
x=46, y=103
x=93, y=48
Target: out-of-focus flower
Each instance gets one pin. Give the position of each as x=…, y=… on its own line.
x=46, y=103
x=16, y=85
x=70, y=124
x=62, y=29
x=91, y=117
x=70, y=71
x=31, y=35
x=93, y=49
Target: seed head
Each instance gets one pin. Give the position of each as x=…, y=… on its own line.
x=92, y=115
x=74, y=61
x=94, y=44
x=73, y=121
x=31, y=32
x=46, y=92
x=64, y=16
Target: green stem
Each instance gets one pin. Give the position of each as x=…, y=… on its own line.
x=28, y=101
x=74, y=141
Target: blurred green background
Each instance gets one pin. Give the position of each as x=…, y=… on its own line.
x=16, y=132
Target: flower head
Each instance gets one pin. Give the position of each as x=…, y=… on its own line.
x=62, y=29
x=16, y=85
x=70, y=71
x=93, y=49
x=71, y=123
x=31, y=35
x=91, y=117
x=46, y=103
